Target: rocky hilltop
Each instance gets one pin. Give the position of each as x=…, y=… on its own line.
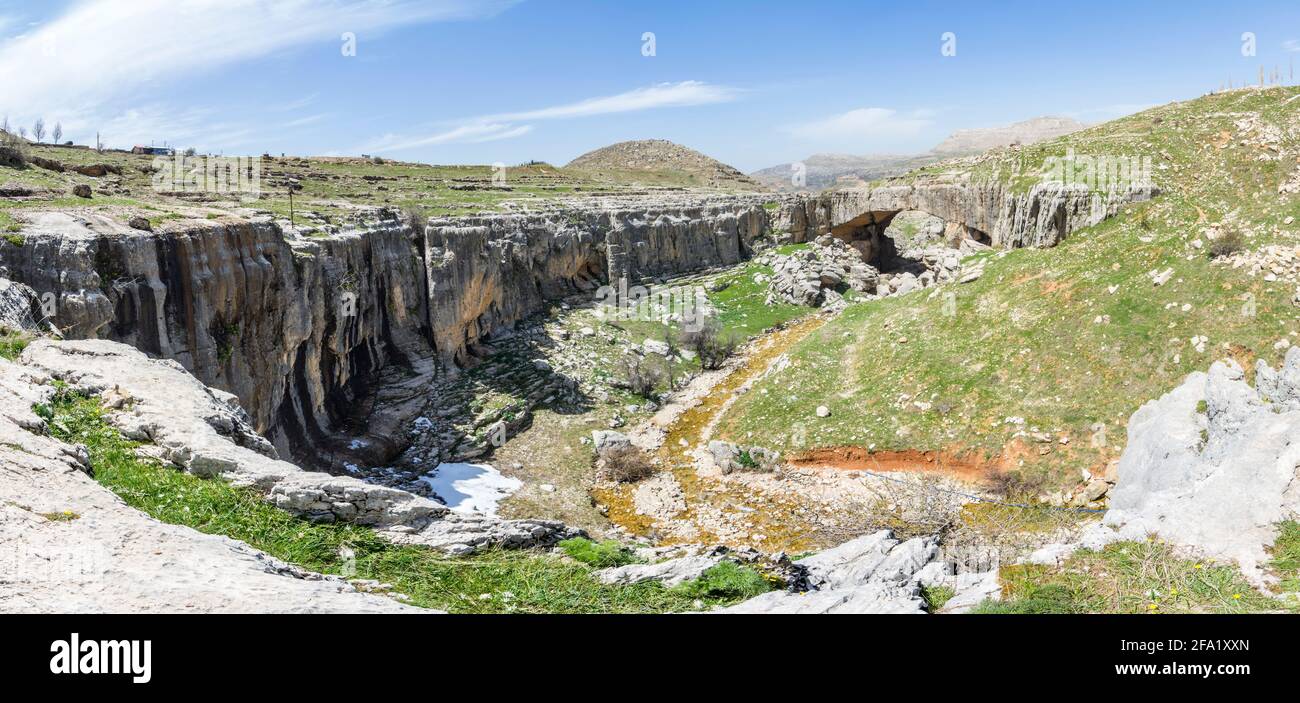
x=658, y=159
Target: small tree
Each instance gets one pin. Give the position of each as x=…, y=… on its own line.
x=57, y=134
x=670, y=341
x=38, y=129
x=641, y=375
x=711, y=344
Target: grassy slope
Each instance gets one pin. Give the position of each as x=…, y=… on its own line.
x=1025, y=341
x=493, y=582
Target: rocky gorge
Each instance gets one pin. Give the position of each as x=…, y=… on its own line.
x=233, y=345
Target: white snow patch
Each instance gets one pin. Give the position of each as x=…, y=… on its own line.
x=471, y=488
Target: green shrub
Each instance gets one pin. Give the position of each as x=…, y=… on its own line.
x=601, y=555
x=936, y=597
x=726, y=580
x=12, y=344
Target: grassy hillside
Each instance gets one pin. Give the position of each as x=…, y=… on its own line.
x=1065, y=342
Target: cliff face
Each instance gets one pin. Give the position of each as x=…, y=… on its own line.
x=1041, y=217
x=301, y=329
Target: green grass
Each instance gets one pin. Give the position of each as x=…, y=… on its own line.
x=1127, y=577
x=492, y=582
x=1285, y=560
x=726, y=580
x=936, y=597
x=601, y=555
x=12, y=344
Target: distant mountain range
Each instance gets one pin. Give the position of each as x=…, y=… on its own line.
x=824, y=170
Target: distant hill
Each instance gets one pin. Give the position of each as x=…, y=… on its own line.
x=660, y=162
x=825, y=170
x=967, y=141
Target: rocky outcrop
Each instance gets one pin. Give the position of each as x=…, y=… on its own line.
x=69, y=545
x=821, y=274
x=203, y=431
x=1213, y=464
x=16, y=302
x=877, y=573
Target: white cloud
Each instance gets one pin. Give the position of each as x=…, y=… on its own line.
x=503, y=126
x=101, y=54
x=683, y=94
x=304, y=121
x=867, y=125
x=1291, y=45
x=465, y=134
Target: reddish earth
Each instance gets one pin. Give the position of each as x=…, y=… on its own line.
x=966, y=465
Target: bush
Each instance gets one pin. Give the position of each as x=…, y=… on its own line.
x=415, y=217
x=1227, y=244
x=642, y=376
x=727, y=580
x=601, y=555
x=627, y=467
x=710, y=343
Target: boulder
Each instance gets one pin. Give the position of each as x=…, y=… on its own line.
x=1212, y=465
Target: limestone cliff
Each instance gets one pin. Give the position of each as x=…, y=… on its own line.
x=323, y=337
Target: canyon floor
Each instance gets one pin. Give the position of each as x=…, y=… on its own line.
x=996, y=402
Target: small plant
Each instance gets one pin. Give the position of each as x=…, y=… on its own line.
x=711, y=344
x=726, y=580
x=1285, y=555
x=12, y=344
x=601, y=555
x=642, y=376
x=745, y=459
x=416, y=217
x=1227, y=244
x=627, y=467
x=936, y=597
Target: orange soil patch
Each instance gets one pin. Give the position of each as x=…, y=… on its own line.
x=966, y=465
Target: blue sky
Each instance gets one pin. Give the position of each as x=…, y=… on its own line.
x=479, y=81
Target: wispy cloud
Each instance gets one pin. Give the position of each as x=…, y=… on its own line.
x=1291, y=45
x=868, y=124
x=465, y=134
x=506, y=125
x=103, y=53
x=683, y=94
x=304, y=121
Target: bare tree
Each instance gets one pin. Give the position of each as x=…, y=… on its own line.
x=22, y=132
x=4, y=124
x=711, y=344
x=57, y=134
x=38, y=129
